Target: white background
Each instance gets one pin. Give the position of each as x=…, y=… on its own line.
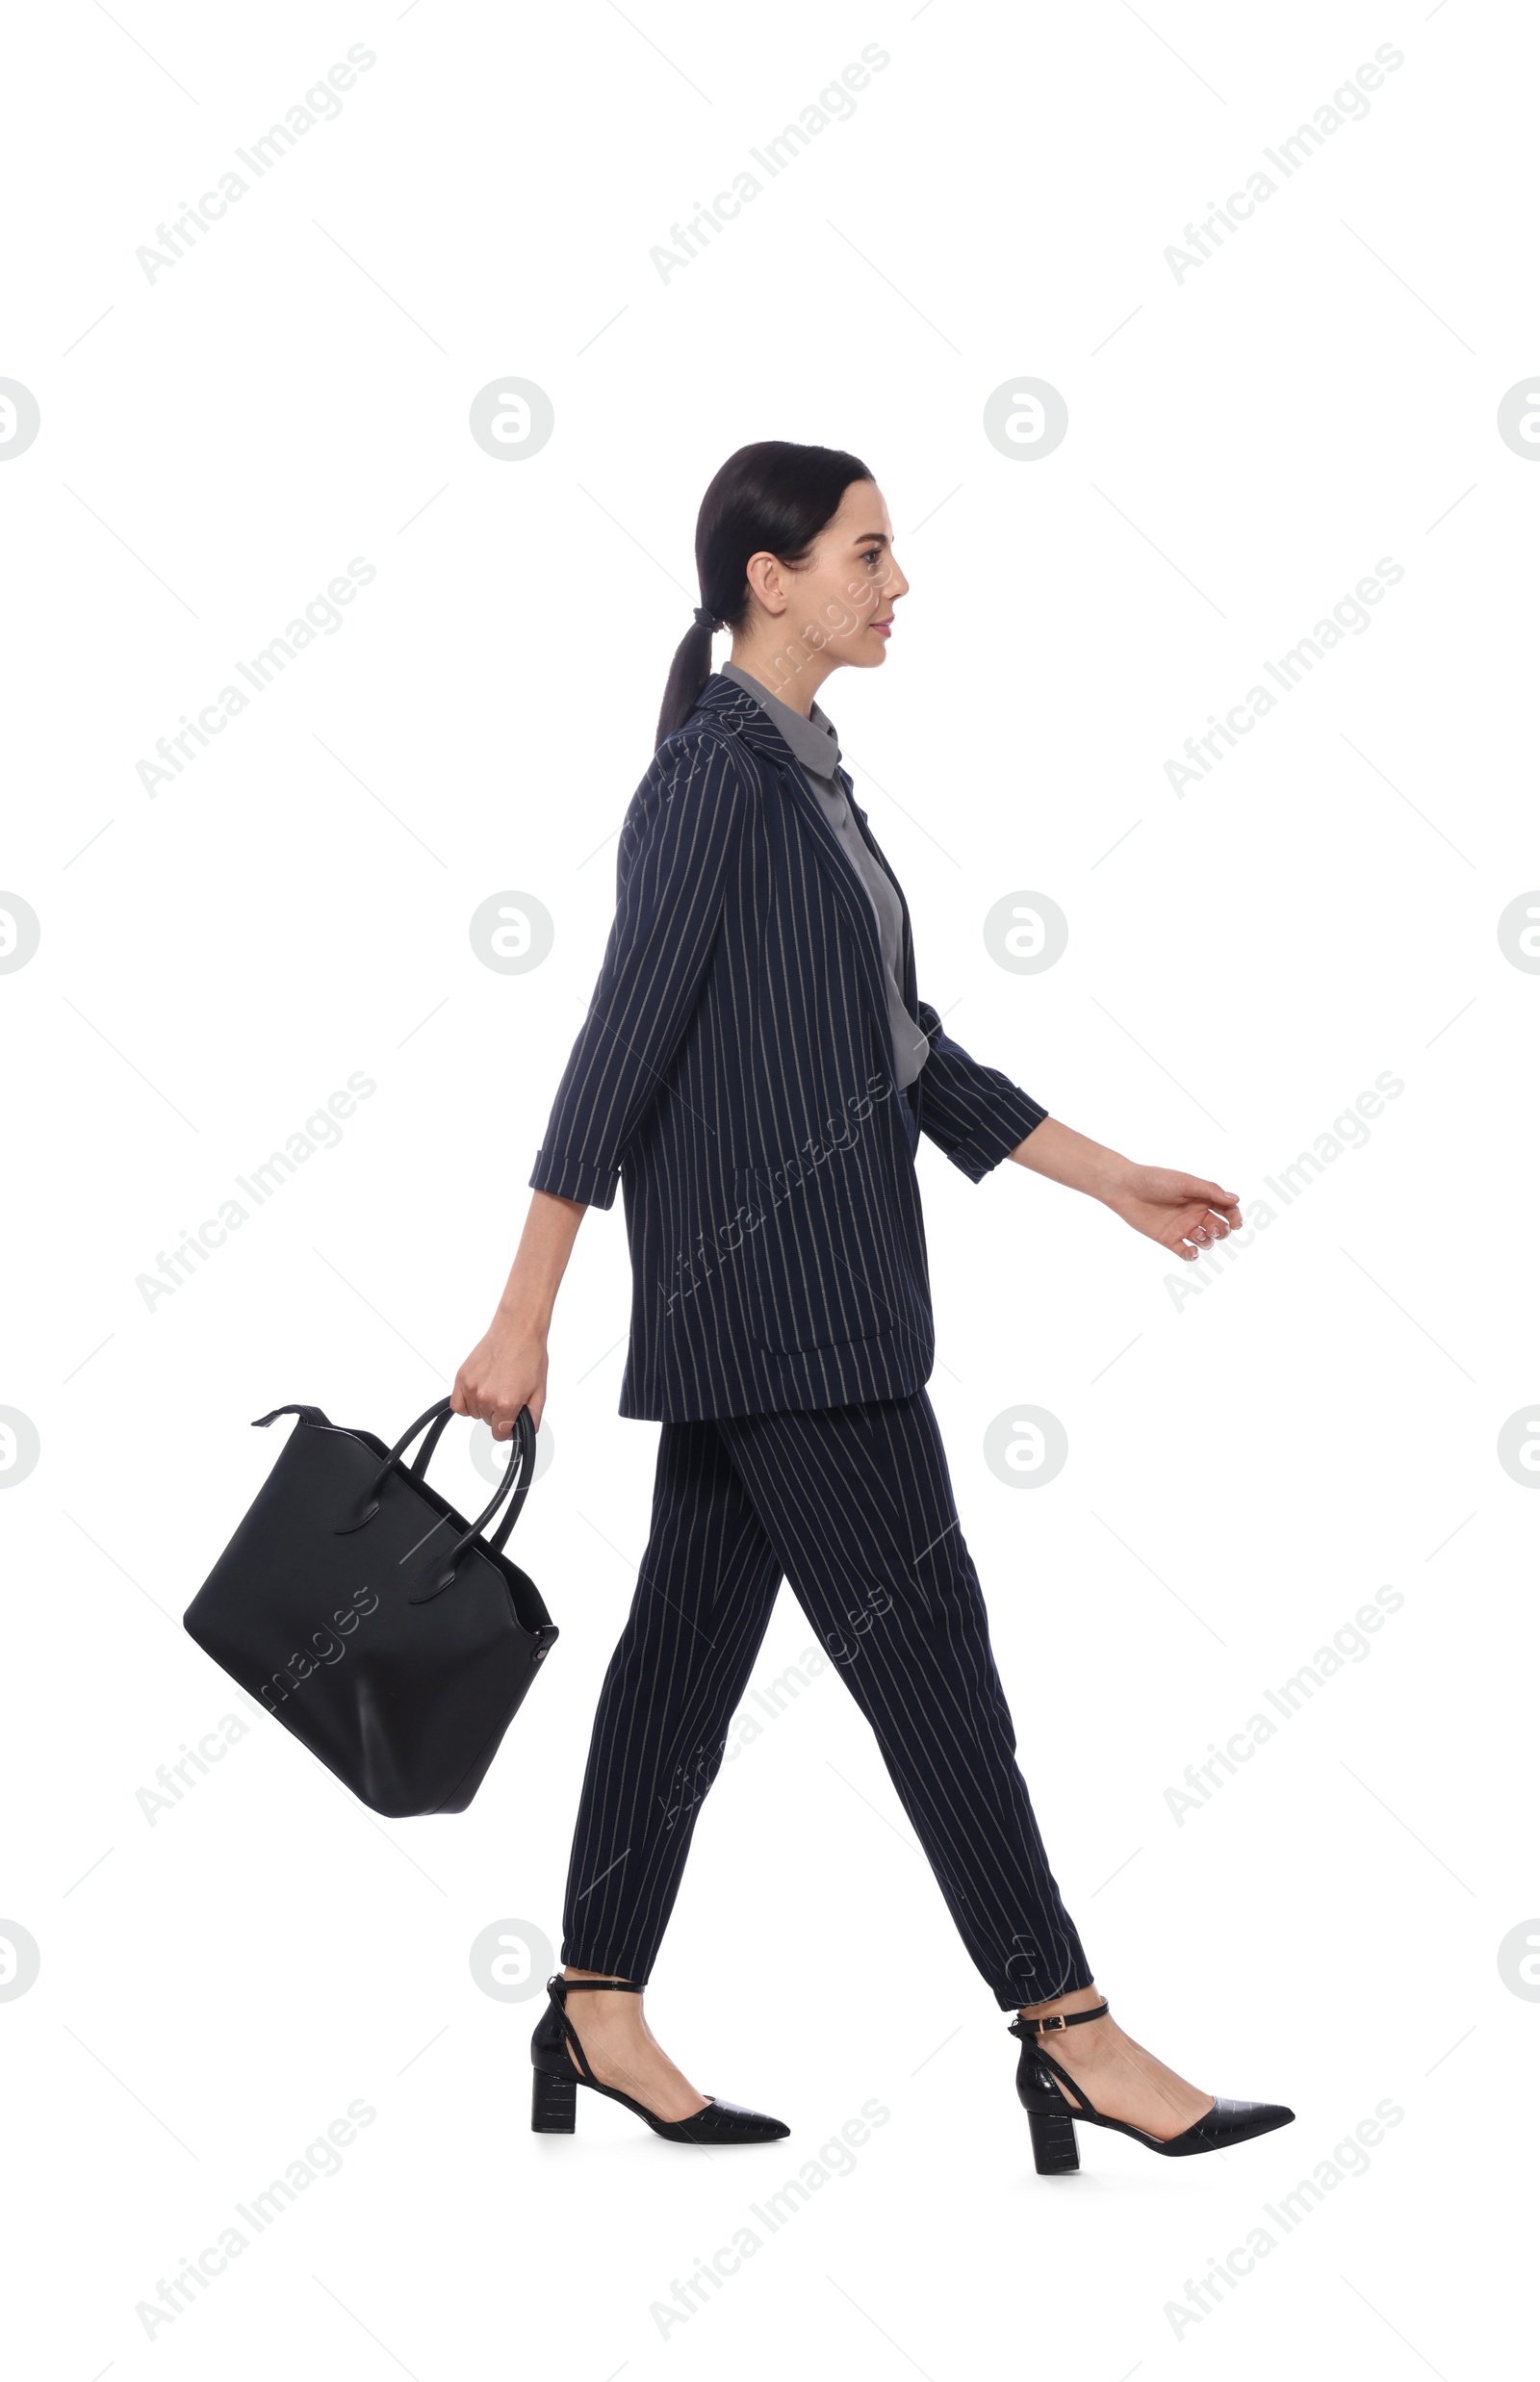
x=1247, y=1467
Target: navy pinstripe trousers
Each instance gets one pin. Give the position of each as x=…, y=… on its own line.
x=853, y=1505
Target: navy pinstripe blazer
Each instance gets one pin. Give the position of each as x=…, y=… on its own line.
x=734, y=1073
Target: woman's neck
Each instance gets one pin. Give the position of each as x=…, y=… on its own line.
x=789, y=671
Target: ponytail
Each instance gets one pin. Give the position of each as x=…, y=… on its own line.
x=688, y=673
x=773, y=497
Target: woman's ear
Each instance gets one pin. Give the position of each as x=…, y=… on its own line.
x=767, y=580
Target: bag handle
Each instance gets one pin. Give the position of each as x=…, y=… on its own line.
x=512, y=1489
x=424, y=1454
x=520, y=1469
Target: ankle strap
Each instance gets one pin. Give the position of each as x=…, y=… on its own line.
x=596, y=1985
x=1052, y=2026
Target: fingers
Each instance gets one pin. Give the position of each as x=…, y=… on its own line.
x=1205, y=1229
x=498, y=1409
x=464, y=1398
x=502, y=1420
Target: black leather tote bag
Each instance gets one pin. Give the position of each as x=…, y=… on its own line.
x=372, y=1619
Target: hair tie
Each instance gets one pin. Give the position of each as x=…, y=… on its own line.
x=704, y=619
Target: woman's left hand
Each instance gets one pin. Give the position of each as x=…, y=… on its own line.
x=1182, y=1212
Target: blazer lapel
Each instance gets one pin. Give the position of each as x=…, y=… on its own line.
x=748, y=720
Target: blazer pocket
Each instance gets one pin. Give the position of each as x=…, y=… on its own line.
x=805, y=1274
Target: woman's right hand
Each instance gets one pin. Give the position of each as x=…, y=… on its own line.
x=507, y=1368
x=503, y=1372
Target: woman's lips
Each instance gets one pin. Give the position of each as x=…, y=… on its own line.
x=884, y=629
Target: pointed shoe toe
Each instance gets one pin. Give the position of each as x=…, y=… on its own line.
x=1229, y=2122
x=724, y=2121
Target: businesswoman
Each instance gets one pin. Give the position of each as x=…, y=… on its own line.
x=754, y=1072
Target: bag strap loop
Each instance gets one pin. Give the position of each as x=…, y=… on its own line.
x=367, y=1505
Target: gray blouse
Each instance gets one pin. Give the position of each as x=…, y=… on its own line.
x=815, y=749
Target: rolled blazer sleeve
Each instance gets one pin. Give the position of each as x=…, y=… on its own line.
x=972, y=1112
x=678, y=839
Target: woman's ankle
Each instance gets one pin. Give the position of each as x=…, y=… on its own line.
x=1064, y=2005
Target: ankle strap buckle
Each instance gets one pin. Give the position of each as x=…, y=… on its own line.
x=1062, y=2019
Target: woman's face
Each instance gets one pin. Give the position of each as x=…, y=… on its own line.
x=839, y=602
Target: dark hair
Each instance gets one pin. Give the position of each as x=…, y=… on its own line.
x=773, y=497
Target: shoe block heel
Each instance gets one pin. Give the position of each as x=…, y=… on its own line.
x=554, y=2108
x=1054, y=2149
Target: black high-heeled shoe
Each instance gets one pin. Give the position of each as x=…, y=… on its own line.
x=1055, y=2102
x=556, y=2081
